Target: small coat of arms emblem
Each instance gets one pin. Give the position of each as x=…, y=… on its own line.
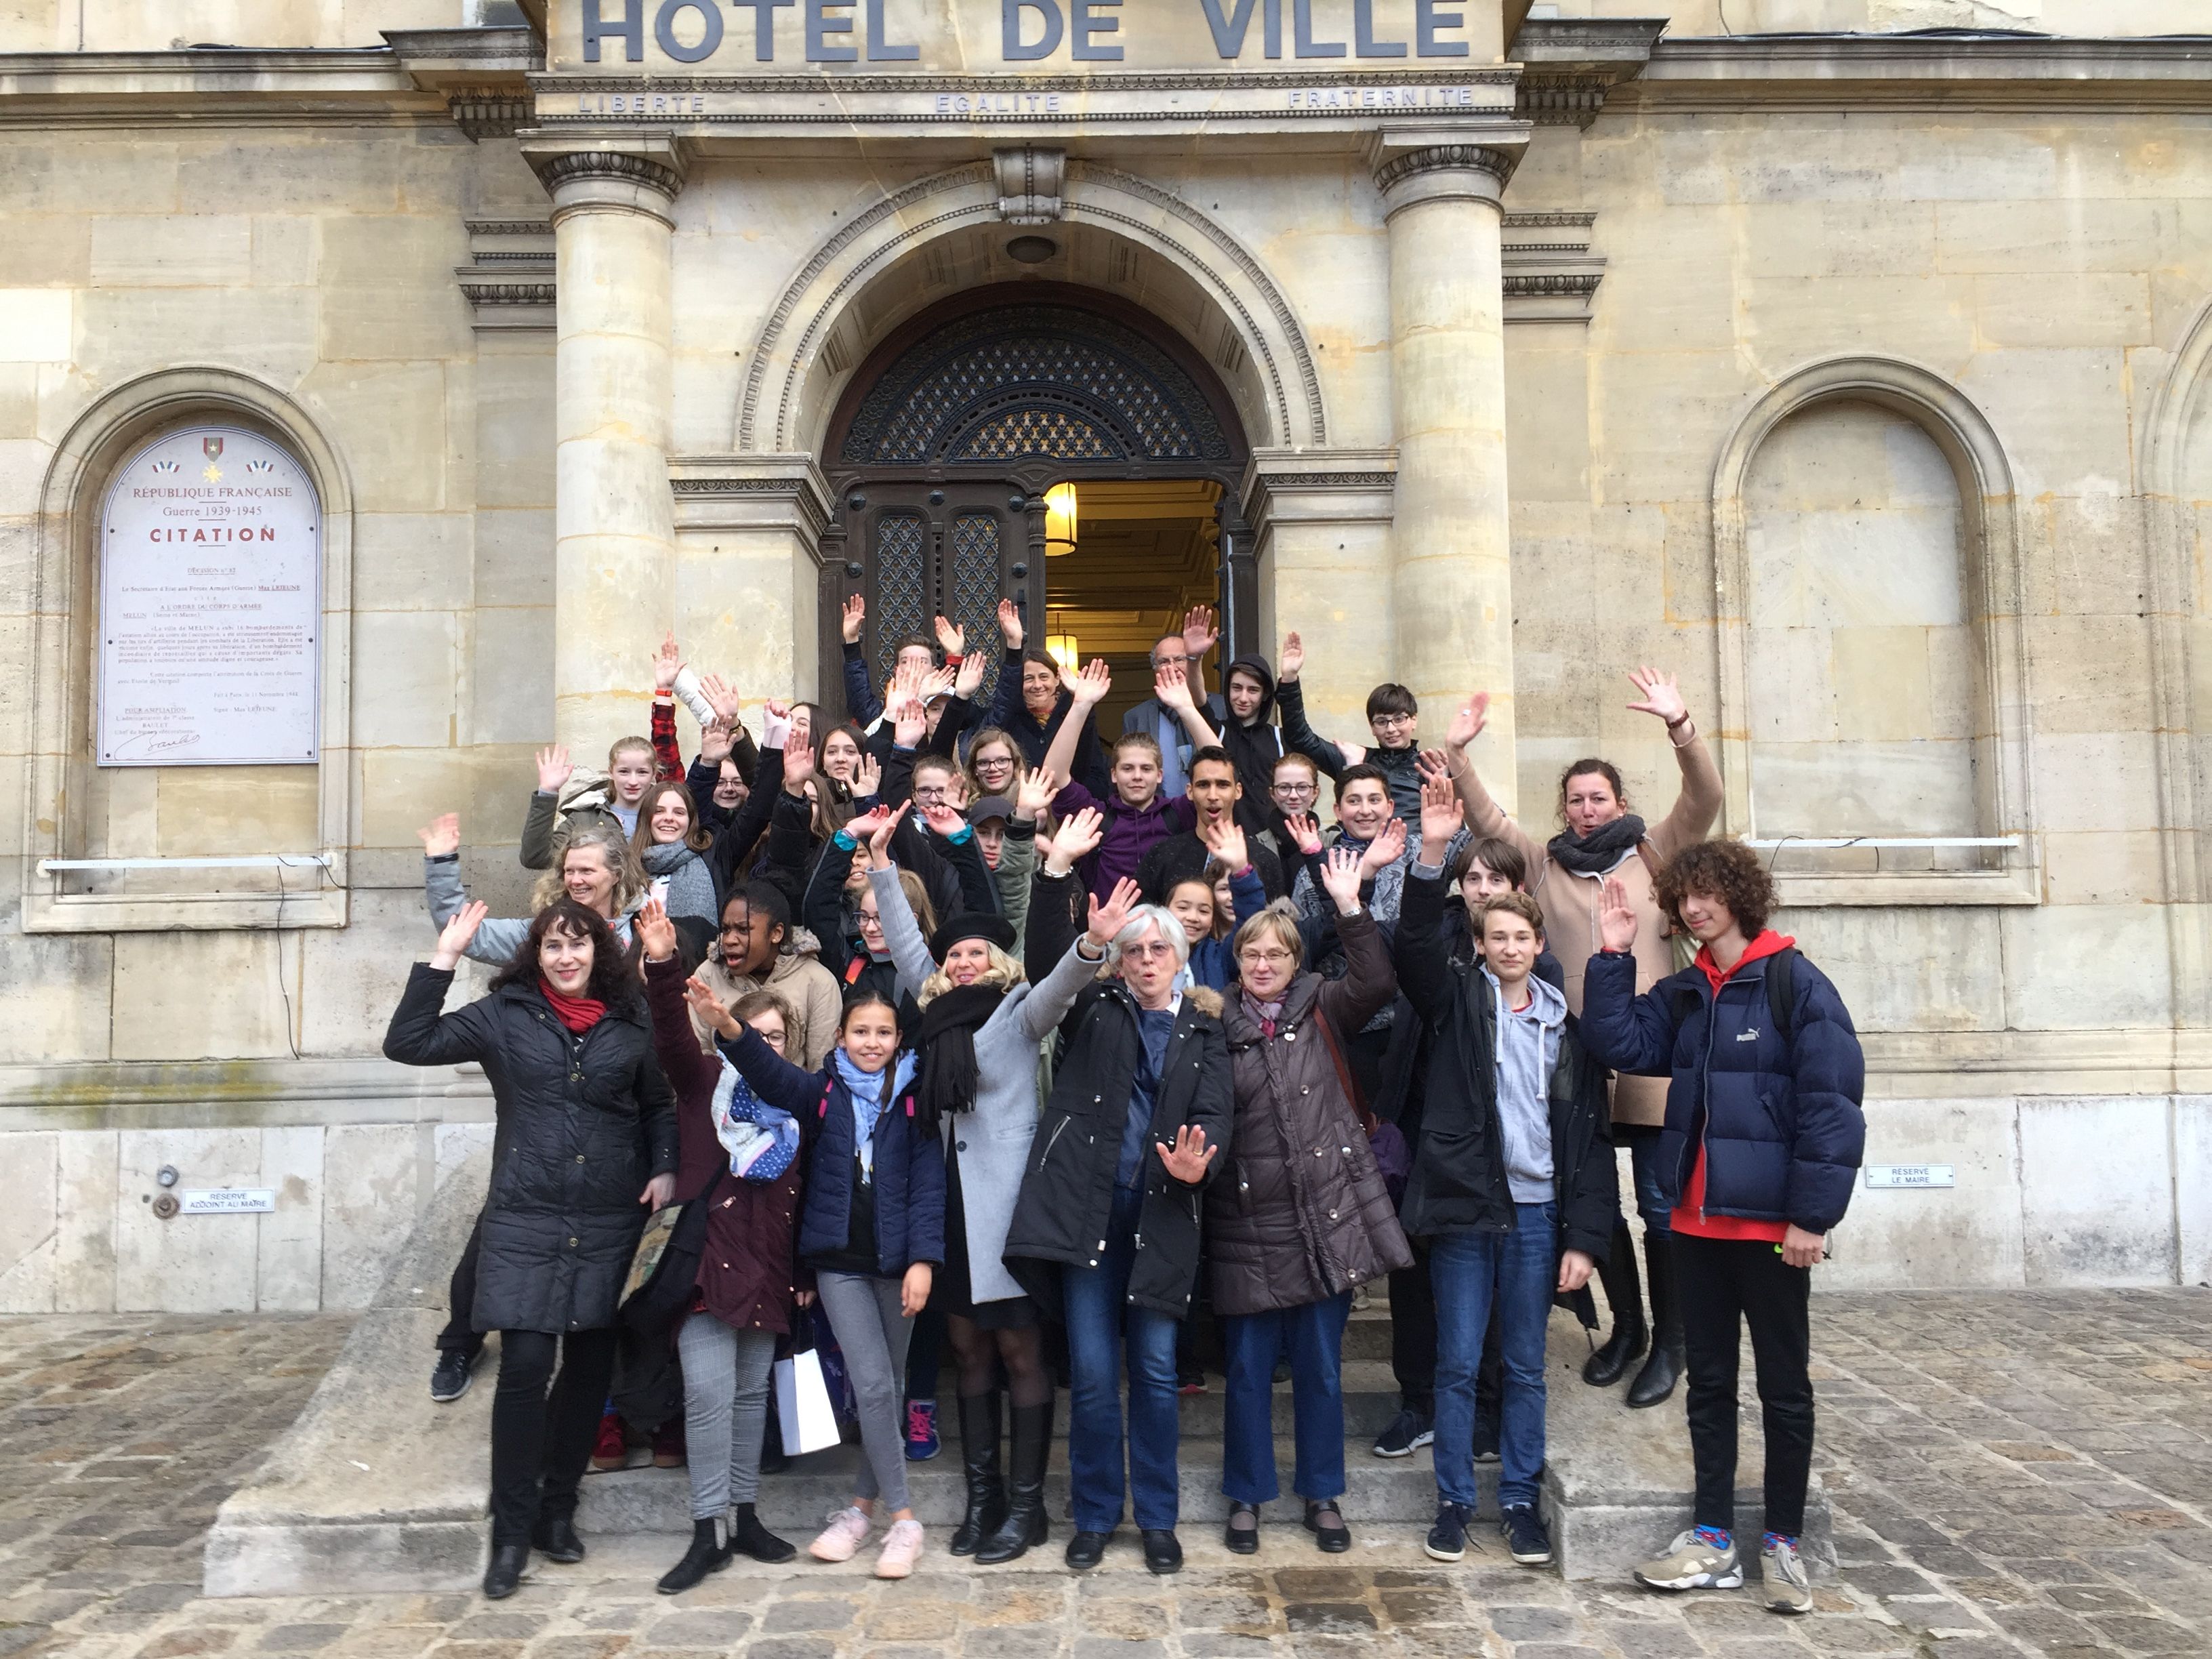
x=212, y=447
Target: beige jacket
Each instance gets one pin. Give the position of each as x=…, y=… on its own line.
x=1571, y=902
x=800, y=981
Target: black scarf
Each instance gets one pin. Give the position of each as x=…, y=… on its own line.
x=947, y=1044
x=1600, y=850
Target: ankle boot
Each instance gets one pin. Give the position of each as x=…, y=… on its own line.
x=708, y=1554
x=979, y=1462
x=748, y=1537
x=1626, y=1298
x=1026, y=1524
x=1655, y=1381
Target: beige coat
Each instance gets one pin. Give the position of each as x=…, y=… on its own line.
x=1571, y=902
x=800, y=981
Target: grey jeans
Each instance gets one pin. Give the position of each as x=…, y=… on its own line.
x=726, y=1379
x=872, y=1330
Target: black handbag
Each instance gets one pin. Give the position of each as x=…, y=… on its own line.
x=665, y=1269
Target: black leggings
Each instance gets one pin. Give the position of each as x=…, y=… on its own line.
x=540, y=1442
x=1723, y=1284
x=979, y=1353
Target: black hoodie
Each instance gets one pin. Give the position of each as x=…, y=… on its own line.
x=1255, y=746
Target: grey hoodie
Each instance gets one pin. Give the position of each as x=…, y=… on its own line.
x=1528, y=1053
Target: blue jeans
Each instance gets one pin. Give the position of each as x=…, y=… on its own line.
x=1643, y=1163
x=1517, y=1272
x=1101, y=1324
x=1313, y=1335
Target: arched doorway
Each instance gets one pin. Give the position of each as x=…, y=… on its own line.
x=949, y=436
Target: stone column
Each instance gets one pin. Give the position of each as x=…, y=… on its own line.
x=614, y=519
x=1452, y=586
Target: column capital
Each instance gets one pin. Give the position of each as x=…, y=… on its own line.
x=641, y=175
x=1421, y=168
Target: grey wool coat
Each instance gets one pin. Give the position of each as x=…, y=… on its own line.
x=991, y=1143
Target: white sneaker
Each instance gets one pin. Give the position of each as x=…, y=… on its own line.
x=902, y=1549
x=1789, y=1587
x=841, y=1539
x=1692, y=1564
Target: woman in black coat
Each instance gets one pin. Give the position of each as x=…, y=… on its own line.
x=586, y=1147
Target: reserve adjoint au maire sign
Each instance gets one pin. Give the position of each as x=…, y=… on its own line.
x=210, y=607
x=983, y=38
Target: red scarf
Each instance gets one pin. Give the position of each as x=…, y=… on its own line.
x=579, y=1014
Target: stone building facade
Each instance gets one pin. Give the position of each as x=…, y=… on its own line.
x=1849, y=356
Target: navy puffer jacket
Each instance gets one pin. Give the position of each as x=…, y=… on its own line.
x=1780, y=1122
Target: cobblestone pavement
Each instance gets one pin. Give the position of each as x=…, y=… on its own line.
x=2020, y=1474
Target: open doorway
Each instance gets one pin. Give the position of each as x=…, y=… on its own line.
x=1145, y=550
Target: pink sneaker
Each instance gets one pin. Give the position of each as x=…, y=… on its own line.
x=902, y=1549
x=842, y=1538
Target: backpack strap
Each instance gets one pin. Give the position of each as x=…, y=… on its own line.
x=1352, y=1096
x=1781, y=990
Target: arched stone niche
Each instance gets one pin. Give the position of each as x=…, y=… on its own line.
x=67, y=802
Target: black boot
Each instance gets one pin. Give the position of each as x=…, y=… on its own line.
x=555, y=1537
x=748, y=1537
x=1626, y=1298
x=979, y=1462
x=503, y=1573
x=708, y=1554
x=1026, y=1524
x=1655, y=1381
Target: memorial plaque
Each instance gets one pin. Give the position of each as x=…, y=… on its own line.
x=211, y=613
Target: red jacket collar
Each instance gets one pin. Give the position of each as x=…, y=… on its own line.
x=1765, y=944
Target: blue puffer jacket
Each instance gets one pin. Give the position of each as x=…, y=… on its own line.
x=909, y=1166
x=1781, y=1124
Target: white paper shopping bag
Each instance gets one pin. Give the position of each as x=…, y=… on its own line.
x=802, y=1404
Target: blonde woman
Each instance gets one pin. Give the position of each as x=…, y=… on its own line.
x=980, y=1025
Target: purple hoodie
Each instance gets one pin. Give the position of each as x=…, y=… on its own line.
x=1131, y=832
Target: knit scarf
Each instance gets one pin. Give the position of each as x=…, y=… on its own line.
x=871, y=1094
x=1602, y=849
x=761, y=1140
x=691, y=883
x=579, y=1014
x=1268, y=1013
x=947, y=1044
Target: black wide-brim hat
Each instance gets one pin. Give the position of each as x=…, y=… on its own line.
x=972, y=924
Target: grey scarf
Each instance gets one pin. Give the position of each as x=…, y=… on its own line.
x=691, y=883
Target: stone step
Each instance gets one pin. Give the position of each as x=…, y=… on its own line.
x=659, y=1500
x=1370, y=1400
x=375, y=1488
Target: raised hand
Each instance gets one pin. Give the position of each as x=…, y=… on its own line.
x=1432, y=764
x=970, y=678
x=1189, y=1159
x=1616, y=918
x=708, y=1007
x=716, y=741
x=1466, y=724
x=879, y=838
x=1199, y=632
x=951, y=637
x=1291, y=661
x=1171, y=685
x=1342, y=877
x=1033, y=792
x=453, y=938
x=1304, y=831
x=1010, y=624
x=655, y=933
x=442, y=836
x=1076, y=838
x=867, y=778
x=937, y=682
x=1387, y=848
x=944, y=821
x=910, y=721
x=850, y=619
x=723, y=695
x=667, y=663
x=1091, y=686
x=1107, y=919
x=798, y=767
x=1441, y=814
x=553, y=769
x=1225, y=841
x=1662, y=696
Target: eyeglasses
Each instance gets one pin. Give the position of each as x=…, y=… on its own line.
x=1392, y=720
x=929, y=791
x=1270, y=958
x=994, y=765
x=1297, y=791
x=1155, y=949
